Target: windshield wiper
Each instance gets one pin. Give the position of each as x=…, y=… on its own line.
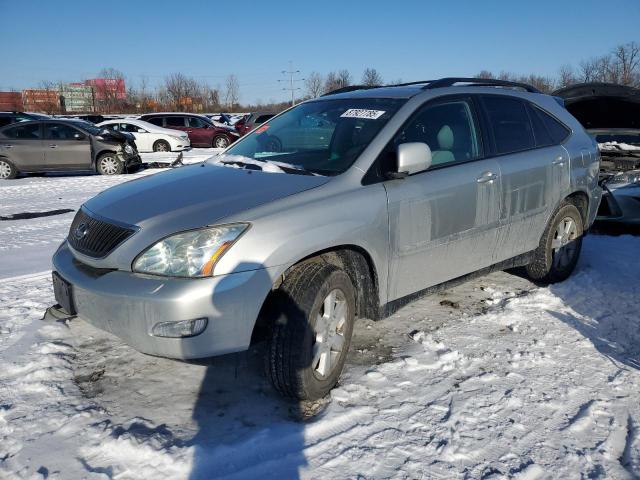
x=284, y=167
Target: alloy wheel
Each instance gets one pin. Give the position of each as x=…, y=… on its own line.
x=329, y=333
x=222, y=142
x=563, y=244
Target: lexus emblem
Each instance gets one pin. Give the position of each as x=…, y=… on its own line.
x=81, y=231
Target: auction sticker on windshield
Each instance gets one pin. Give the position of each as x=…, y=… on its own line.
x=362, y=113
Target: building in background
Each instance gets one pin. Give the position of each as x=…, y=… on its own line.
x=76, y=98
x=41, y=100
x=108, y=88
x=11, y=102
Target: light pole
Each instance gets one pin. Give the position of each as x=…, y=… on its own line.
x=291, y=72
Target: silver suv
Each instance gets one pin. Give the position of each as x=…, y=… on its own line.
x=345, y=206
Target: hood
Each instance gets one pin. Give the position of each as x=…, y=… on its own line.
x=602, y=105
x=194, y=196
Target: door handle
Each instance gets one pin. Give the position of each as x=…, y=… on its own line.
x=559, y=161
x=53, y=146
x=487, y=177
x=8, y=146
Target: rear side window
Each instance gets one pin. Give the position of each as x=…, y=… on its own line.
x=540, y=132
x=156, y=121
x=175, y=122
x=195, y=122
x=262, y=119
x=557, y=130
x=509, y=121
x=25, y=132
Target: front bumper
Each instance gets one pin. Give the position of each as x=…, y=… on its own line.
x=128, y=305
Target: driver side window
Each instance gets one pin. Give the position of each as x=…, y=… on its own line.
x=449, y=130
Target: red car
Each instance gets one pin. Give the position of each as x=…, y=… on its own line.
x=251, y=121
x=202, y=131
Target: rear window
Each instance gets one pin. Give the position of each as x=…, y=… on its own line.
x=512, y=130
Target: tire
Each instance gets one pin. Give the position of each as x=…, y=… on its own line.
x=109, y=164
x=305, y=356
x=7, y=170
x=273, y=144
x=161, y=146
x=220, y=141
x=559, y=248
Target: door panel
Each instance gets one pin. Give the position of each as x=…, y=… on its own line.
x=443, y=224
x=24, y=147
x=63, y=151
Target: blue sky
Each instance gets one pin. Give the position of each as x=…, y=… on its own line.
x=413, y=40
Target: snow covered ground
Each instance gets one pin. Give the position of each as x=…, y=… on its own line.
x=493, y=379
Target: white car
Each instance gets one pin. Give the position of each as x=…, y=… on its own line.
x=150, y=137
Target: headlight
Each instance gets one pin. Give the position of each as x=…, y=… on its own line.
x=128, y=149
x=189, y=254
x=179, y=139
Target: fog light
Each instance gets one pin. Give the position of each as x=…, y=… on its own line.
x=185, y=328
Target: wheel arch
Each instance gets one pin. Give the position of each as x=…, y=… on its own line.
x=581, y=201
x=355, y=261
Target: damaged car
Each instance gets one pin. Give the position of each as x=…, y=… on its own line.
x=370, y=198
x=611, y=114
x=65, y=145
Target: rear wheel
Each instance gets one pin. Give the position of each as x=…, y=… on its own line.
x=559, y=248
x=7, y=170
x=313, y=313
x=109, y=164
x=220, y=142
x=161, y=146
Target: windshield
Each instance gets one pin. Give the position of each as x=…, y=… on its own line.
x=323, y=137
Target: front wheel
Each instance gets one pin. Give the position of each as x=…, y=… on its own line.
x=7, y=170
x=109, y=164
x=314, y=311
x=559, y=248
x=220, y=142
x=161, y=146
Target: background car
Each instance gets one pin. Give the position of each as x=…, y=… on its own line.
x=150, y=137
x=251, y=121
x=62, y=145
x=202, y=131
x=7, y=118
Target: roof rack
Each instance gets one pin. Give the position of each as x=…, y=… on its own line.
x=479, y=82
x=350, y=88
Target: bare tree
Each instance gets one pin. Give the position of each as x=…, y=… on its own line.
x=371, y=77
x=232, y=93
x=331, y=82
x=48, y=100
x=628, y=61
x=313, y=85
x=486, y=74
x=109, y=92
x=566, y=76
x=344, y=78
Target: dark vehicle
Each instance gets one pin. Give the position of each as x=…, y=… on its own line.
x=251, y=121
x=64, y=145
x=202, y=131
x=87, y=118
x=611, y=114
x=7, y=118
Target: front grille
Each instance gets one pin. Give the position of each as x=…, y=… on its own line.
x=96, y=238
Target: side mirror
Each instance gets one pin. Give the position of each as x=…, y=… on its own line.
x=142, y=130
x=413, y=157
